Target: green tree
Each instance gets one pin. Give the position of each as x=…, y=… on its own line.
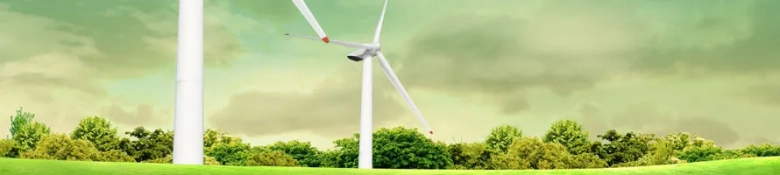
x=28, y=135
x=407, y=148
x=540, y=155
x=344, y=155
x=399, y=147
x=212, y=137
x=149, y=145
x=570, y=134
x=61, y=147
x=623, y=148
x=229, y=153
x=99, y=131
x=700, y=154
x=470, y=155
x=661, y=152
x=763, y=150
x=271, y=158
x=502, y=136
x=734, y=154
x=305, y=154
x=20, y=119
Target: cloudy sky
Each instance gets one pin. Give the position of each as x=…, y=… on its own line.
x=711, y=67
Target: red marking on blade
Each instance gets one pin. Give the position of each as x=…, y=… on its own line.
x=326, y=39
x=430, y=132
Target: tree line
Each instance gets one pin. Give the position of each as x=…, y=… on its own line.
x=564, y=146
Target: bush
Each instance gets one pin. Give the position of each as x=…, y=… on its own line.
x=303, y=152
x=114, y=156
x=61, y=147
x=271, y=158
x=503, y=161
x=210, y=161
x=470, y=155
x=228, y=153
x=540, y=155
x=162, y=160
x=700, y=154
x=6, y=145
x=586, y=160
x=764, y=150
x=405, y=148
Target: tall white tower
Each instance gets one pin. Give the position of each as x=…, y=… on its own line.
x=188, y=122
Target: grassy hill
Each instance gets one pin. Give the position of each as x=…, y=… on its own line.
x=752, y=166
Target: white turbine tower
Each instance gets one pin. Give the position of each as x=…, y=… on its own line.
x=364, y=53
x=188, y=122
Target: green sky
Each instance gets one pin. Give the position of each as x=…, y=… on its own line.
x=711, y=67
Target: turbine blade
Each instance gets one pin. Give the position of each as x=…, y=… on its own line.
x=397, y=84
x=337, y=42
x=310, y=18
x=379, y=26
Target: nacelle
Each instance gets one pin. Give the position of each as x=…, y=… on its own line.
x=357, y=55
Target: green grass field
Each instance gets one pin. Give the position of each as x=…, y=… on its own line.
x=752, y=166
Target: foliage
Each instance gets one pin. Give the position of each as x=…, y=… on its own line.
x=114, y=156
x=303, y=152
x=20, y=119
x=97, y=130
x=568, y=133
x=212, y=137
x=149, y=145
x=502, y=136
x=661, y=153
x=504, y=161
x=565, y=145
x=586, y=160
x=539, y=154
x=763, y=150
x=168, y=159
x=700, y=153
x=406, y=148
x=210, y=161
x=228, y=153
x=622, y=148
x=470, y=155
x=271, y=158
x=733, y=154
x=62, y=147
x=6, y=145
x=399, y=147
x=28, y=135
x=345, y=155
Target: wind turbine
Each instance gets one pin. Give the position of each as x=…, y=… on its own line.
x=364, y=52
x=188, y=121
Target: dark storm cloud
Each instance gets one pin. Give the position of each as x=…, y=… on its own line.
x=126, y=38
x=140, y=115
x=566, y=46
x=647, y=118
x=766, y=94
x=331, y=109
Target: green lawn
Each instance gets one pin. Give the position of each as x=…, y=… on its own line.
x=752, y=166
